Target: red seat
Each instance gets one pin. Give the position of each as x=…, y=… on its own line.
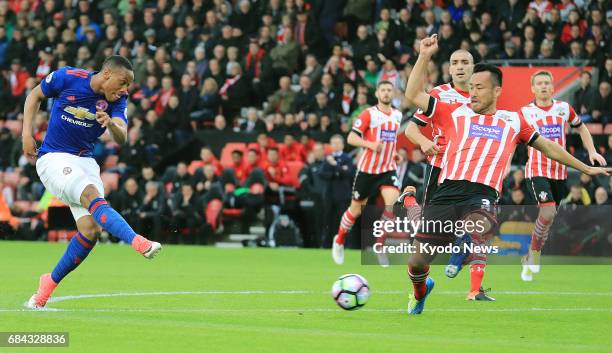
x=294, y=171
x=608, y=130
x=226, y=152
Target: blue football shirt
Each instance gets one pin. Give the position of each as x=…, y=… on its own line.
x=72, y=123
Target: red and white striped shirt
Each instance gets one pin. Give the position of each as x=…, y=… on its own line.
x=449, y=94
x=479, y=147
x=551, y=122
x=375, y=125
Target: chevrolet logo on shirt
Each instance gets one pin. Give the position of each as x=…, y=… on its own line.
x=80, y=113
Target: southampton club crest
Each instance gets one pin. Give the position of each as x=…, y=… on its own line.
x=67, y=170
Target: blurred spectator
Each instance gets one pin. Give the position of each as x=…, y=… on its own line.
x=253, y=123
x=338, y=172
x=129, y=200
x=17, y=78
x=206, y=158
x=606, y=73
x=187, y=215
x=258, y=68
x=282, y=100
x=220, y=124
x=276, y=171
x=285, y=55
x=313, y=69
x=176, y=176
x=601, y=196
x=235, y=92
x=291, y=150
x=578, y=196
x=208, y=104
x=304, y=98
x=584, y=96
x=602, y=104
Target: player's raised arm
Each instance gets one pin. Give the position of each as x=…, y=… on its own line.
x=30, y=108
x=555, y=151
x=415, y=94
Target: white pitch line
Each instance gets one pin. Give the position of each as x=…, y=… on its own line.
x=143, y=294
x=308, y=310
x=295, y=292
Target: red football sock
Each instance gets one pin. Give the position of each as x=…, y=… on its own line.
x=476, y=275
x=346, y=223
x=540, y=233
x=418, y=278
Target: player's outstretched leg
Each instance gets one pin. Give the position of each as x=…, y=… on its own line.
x=79, y=247
x=531, y=261
x=111, y=221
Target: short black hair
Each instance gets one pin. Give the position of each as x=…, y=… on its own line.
x=117, y=61
x=495, y=72
x=384, y=82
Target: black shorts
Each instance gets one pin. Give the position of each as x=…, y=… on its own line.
x=546, y=191
x=430, y=182
x=452, y=201
x=369, y=185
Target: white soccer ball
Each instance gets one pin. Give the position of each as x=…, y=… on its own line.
x=351, y=291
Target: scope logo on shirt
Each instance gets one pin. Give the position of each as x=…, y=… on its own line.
x=486, y=131
x=552, y=131
x=387, y=135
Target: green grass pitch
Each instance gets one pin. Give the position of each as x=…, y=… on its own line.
x=201, y=299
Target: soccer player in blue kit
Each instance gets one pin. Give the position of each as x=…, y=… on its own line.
x=85, y=105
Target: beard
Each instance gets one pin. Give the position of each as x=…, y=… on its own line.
x=386, y=101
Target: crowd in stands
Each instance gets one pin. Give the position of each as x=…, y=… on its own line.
x=299, y=68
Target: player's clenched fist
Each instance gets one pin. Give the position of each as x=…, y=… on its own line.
x=103, y=118
x=429, y=45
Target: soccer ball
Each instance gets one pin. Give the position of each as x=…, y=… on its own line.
x=351, y=291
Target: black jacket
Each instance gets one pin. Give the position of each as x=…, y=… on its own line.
x=339, y=178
